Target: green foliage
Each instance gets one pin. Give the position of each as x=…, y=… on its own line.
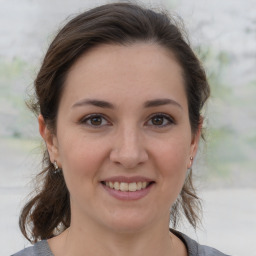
x=215, y=63
x=10, y=70
x=14, y=116
x=229, y=148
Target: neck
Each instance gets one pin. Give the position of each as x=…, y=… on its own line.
x=99, y=241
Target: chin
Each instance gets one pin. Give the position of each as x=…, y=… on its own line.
x=129, y=223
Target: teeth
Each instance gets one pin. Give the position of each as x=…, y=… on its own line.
x=132, y=186
x=116, y=185
x=111, y=184
x=123, y=186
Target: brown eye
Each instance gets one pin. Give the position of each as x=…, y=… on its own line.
x=160, y=120
x=157, y=120
x=97, y=120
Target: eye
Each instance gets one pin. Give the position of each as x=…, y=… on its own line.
x=95, y=120
x=160, y=120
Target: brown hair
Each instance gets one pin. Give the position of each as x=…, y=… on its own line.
x=48, y=212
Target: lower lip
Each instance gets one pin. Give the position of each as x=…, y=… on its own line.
x=123, y=195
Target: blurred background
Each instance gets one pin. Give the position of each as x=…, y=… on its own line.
x=223, y=34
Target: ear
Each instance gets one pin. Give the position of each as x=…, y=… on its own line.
x=195, y=142
x=50, y=139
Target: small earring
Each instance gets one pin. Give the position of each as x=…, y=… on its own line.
x=56, y=167
x=191, y=160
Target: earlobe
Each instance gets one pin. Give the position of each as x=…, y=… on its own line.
x=49, y=138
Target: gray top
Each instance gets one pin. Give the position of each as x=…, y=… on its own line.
x=194, y=249
x=39, y=249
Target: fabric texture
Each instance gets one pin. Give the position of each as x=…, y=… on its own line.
x=39, y=249
x=194, y=249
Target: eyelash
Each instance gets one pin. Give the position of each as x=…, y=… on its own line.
x=169, y=119
x=89, y=118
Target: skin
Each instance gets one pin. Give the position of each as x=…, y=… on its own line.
x=129, y=139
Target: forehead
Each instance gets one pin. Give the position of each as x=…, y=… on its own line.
x=140, y=70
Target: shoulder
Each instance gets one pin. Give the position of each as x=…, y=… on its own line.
x=39, y=249
x=196, y=249
x=25, y=252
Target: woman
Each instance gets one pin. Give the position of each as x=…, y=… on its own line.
x=118, y=99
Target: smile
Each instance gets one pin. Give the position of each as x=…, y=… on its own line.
x=128, y=188
x=125, y=187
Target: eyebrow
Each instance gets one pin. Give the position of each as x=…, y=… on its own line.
x=161, y=102
x=106, y=104
x=94, y=102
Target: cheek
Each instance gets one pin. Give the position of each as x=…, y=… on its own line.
x=172, y=166
x=81, y=163
x=173, y=155
x=81, y=158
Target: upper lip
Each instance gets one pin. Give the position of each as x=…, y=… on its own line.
x=127, y=179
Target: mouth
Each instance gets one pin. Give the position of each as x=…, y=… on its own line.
x=127, y=186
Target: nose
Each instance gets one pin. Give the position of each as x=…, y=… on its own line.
x=128, y=149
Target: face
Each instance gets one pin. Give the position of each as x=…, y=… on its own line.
x=123, y=136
